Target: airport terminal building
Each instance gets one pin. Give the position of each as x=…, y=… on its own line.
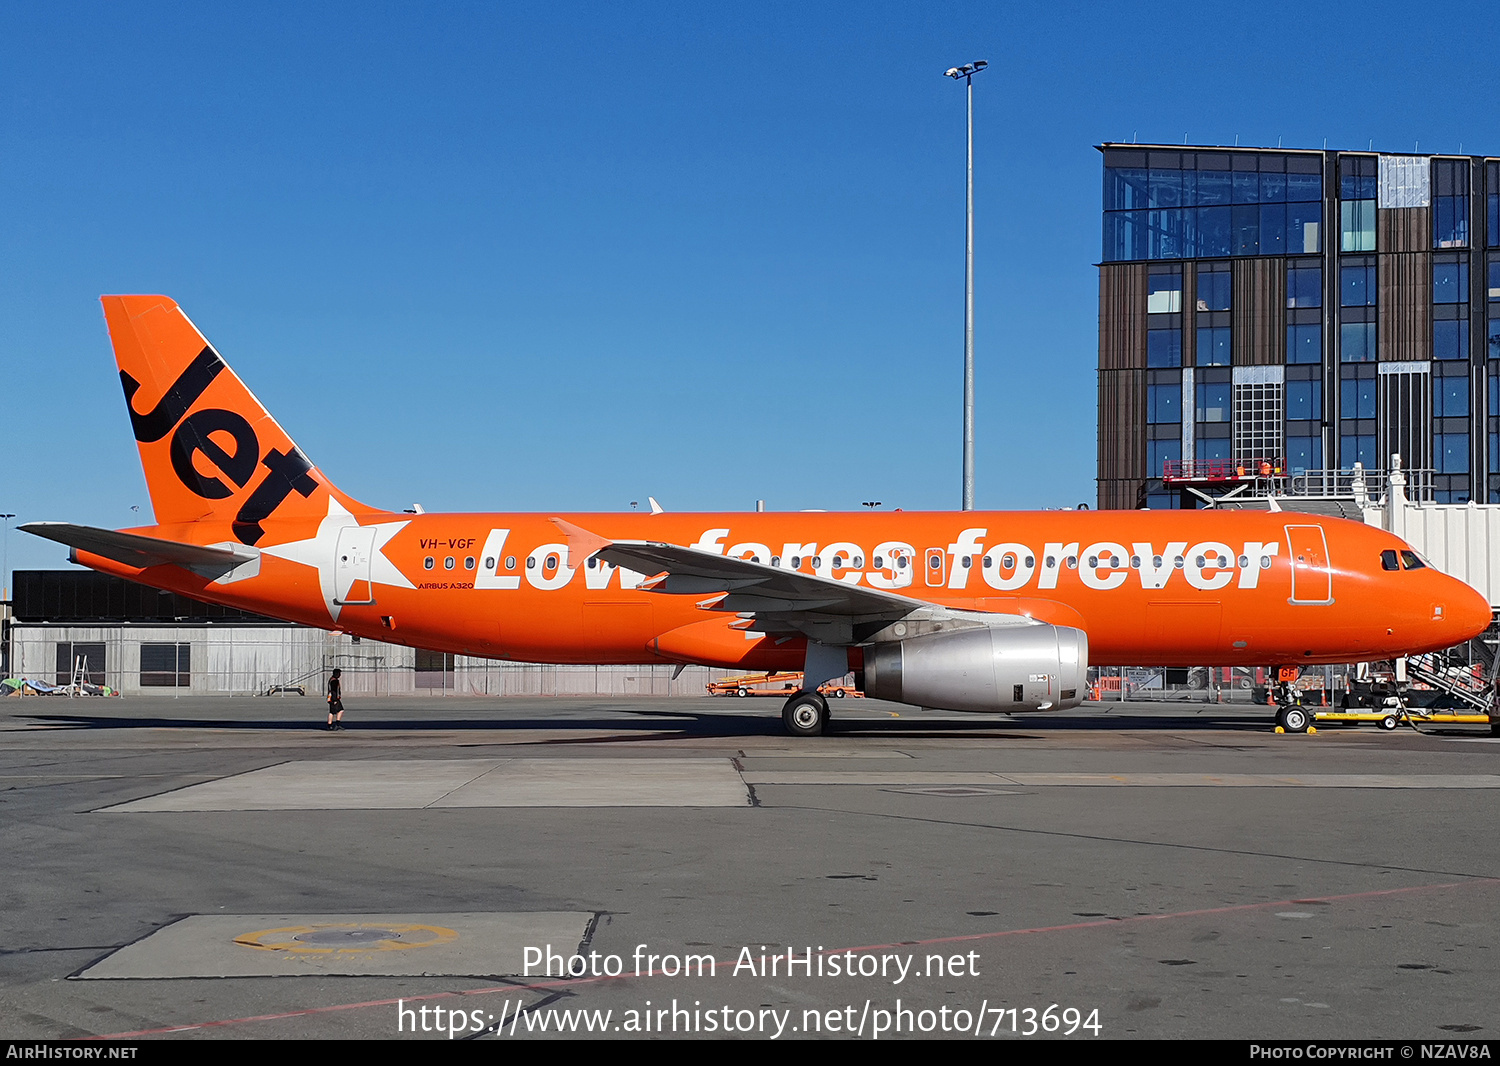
x=1269, y=318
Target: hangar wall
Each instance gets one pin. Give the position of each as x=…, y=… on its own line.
x=243, y=660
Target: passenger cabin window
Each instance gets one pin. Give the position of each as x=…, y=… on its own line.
x=427, y=563
x=1412, y=561
x=1388, y=560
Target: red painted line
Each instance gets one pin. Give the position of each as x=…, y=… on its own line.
x=574, y=982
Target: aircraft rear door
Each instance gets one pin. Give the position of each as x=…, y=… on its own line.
x=1312, y=578
x=351, y=565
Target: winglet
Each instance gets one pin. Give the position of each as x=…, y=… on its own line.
x=581, y=543
x=656, y=508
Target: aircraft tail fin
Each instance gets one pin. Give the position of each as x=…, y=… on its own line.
x=210, y=450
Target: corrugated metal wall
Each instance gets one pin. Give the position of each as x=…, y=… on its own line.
x=233, y=660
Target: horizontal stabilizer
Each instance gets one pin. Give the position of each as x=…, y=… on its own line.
x=132, y=549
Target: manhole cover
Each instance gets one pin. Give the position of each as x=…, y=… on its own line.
x=338, y=938
x=346, y=937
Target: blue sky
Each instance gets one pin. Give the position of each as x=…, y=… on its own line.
x=556, y=257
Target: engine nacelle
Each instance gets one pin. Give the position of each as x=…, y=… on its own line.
x=996, y=669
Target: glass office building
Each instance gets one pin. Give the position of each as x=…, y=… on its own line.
x=1297, y=311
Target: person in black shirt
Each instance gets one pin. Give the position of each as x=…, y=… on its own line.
x=335, y=703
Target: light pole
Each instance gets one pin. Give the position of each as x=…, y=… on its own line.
x=967, y=72
x=5, y=558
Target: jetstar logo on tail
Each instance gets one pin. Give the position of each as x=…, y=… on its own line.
x=286, y=471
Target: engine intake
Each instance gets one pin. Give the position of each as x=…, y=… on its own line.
x=994, y=669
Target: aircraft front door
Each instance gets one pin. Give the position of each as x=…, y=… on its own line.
x=937, y=567
x=351, y=566
x=1312, y=578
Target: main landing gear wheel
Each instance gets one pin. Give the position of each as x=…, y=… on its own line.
x=805, y=714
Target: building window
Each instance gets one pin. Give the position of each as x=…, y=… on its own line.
x=1304, y=450
x=1493, y=318
x=1450, y=390
x=1492, y=198
x=1161, y=452
x=1450, y=338
x=1357, y=286
x=1304, y=284
x=86, y=660
x=1212, y=401
x=1357, y=397
x=1450, y=203
x=1357, y=295
x=1163, y=348
x=166, y=665
x=1357, y=226
x=1357, y=342
x=1163, y=404
x=1210, y=450
x=1357, y=406
x=1164, y=317
x=1304, y=317
x=1215, y=290
x=1493, y=413
x=1214, y=346
x=1450, y=307
x=1161, y=204
x=1450, y=281
x=1358, y=176
x=1304, y=342
x=1450, y=453
x=1304, y=419
x=1304, y=398
x=1164, y=292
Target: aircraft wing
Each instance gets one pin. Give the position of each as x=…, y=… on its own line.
x=132, y=549
x=770, y=598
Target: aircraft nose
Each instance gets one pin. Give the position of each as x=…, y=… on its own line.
x=1466, y=610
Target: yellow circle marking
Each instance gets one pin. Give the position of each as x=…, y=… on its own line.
x=285, y=938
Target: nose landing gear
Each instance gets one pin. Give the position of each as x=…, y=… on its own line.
x=1291, y=716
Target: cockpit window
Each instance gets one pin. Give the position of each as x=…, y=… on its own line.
x=1411, y=561
x=1388, y=560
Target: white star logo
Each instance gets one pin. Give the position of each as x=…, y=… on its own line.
x=322, y=552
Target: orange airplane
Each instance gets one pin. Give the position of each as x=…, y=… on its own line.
x=968, y=611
